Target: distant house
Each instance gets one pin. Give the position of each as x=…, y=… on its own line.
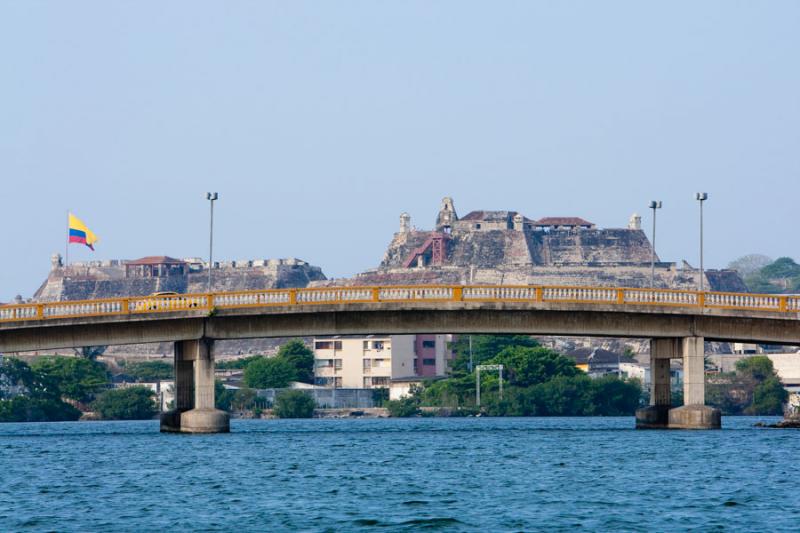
x=155, y=266
x=562, y=223
x=597, y=361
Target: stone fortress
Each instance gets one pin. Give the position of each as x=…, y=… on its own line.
x=141, y=277
x=482, y=247
x=506, y=247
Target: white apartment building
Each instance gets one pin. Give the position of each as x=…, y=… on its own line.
x=356, y=362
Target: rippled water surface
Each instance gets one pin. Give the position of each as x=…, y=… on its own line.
x=472, y=474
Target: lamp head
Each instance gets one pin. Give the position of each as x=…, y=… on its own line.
x=212, y=196
x=702, y=196
x=655, y=204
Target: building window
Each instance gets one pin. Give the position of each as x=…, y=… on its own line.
x=377, y=345
x=324, y=363
x=429, y=362
x=380, y=382
x=337, y=364
x=367, y=364
x=367, y=382
x=328, y=345
x=338, y=382
x=366, y=345
x=477, y=226
x=429, y=344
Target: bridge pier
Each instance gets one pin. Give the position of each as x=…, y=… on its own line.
x=194, y=391
x=694, y=414
x=656, y=415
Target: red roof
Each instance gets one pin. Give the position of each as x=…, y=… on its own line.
x=156, y=260
x=563, y=221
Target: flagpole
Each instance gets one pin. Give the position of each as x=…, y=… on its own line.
x=66, y=248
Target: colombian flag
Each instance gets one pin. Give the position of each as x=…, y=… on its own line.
x=79, y=233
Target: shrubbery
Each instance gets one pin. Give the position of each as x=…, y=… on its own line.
x=130, y=403
x=294, y=404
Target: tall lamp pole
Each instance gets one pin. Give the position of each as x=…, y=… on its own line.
x=653, y=205
x=701, y=197
x=211, y=197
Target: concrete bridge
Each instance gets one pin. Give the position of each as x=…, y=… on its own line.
x=677, y=321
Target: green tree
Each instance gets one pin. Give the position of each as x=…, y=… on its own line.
x=130, y=403
x=77, y=378
x=269, y=373
x=758, y=368
x=222, y=396
x=529, y=366
x=768, y=398
x=36, y=409
x=612, y=396
x=236, y=364
x=748, y=265
x=484, y=347
x=300, y=356
x=243, y=399
x=404, y=407
x=564, y=396
x=294, y=404
x=149, y=371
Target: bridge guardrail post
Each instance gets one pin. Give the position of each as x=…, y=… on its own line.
x=292, y=296
x=376, y=294
x=620, y=296
x=701, y=299
x=539, y=294
x=211, y=301
x=782, y=304
x=458, y=294
x=40, y=311
x=125, y=305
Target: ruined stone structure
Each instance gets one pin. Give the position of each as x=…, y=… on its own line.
x=109, y=279
x=114, y=278
x=506, y=247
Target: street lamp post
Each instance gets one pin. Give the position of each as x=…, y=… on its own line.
x=653, y=205
x=701, y=197
x=211, y=197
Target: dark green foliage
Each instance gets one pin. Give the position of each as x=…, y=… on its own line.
x=76, y=378
x=222, y=396
x=300, y=356
x=404, y=407
x=130, y=403
x=243, y=399
x=484, y=347
x=758, y=367
x=527, y=366
x=754, y=389
x=615, y=397
x=380, y=396
x=269, y=373
x=768, y=398
x=294, y=404
x=236, y=364
x=40, y=400
x=149, y=371
x=36, y=409
x=780, y=276
x=90, y=352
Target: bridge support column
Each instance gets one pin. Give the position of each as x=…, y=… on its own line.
x=656, y=415
x=194, y=391
x=694, y=414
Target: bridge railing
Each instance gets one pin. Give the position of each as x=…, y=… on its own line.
x=411, y=293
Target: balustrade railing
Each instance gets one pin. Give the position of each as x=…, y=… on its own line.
x=394, y=294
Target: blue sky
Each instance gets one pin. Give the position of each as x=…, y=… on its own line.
x=320, y=122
